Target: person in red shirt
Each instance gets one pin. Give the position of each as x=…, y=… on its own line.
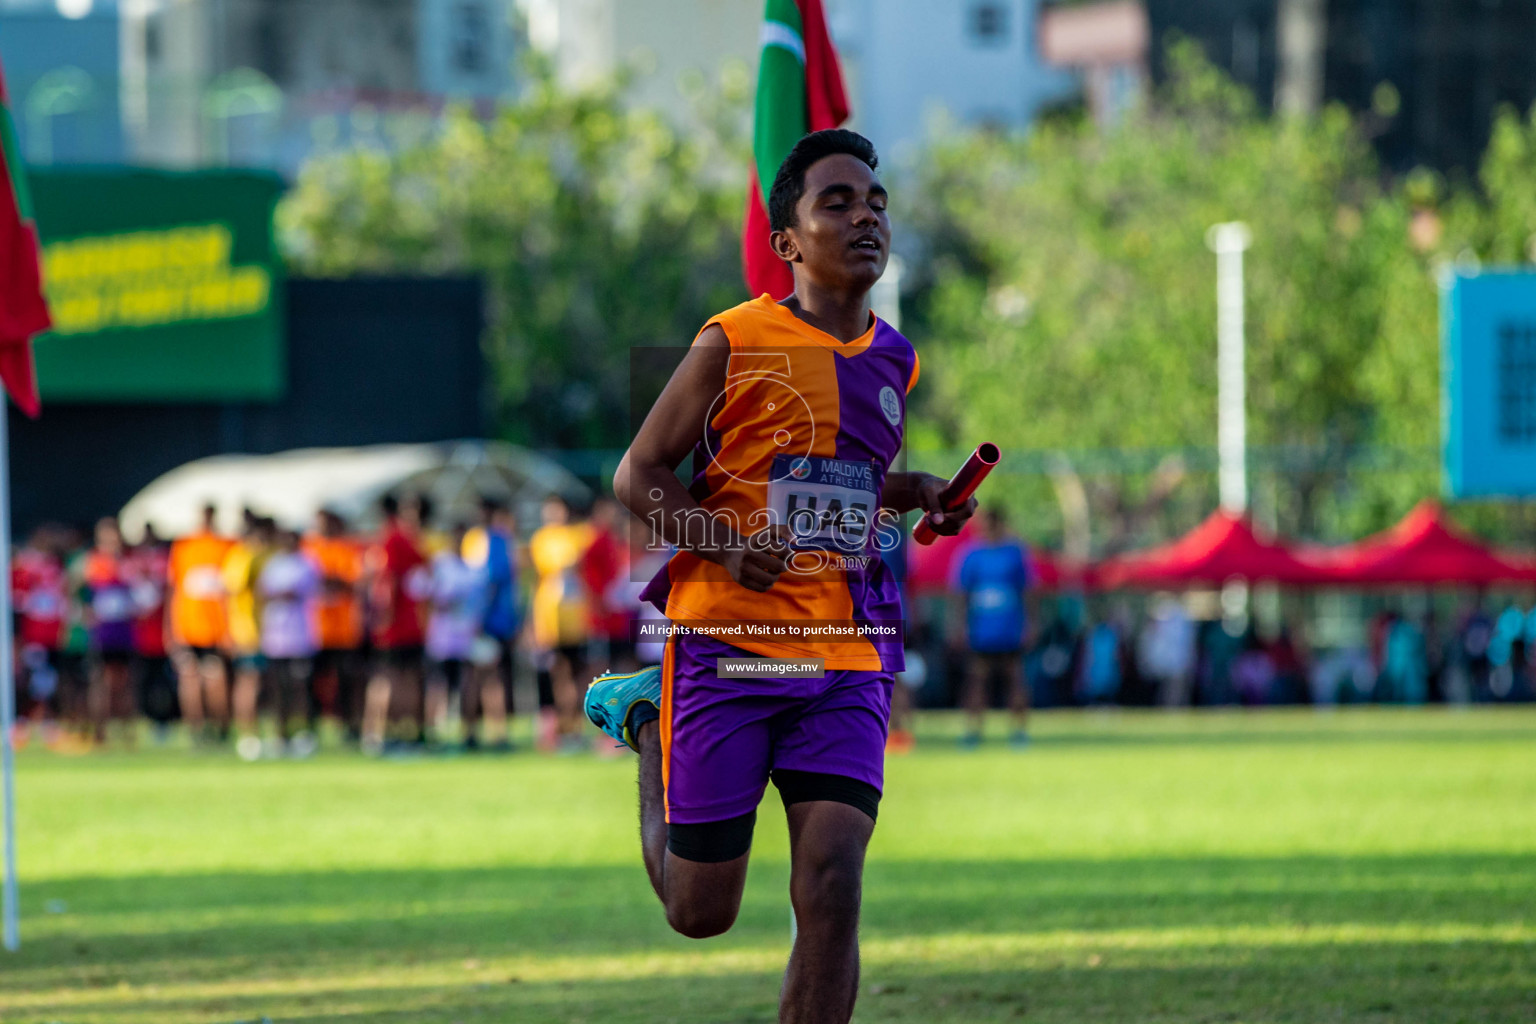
x=40, y=595
x=146, y=567
x=604, y=568
x=398, y=584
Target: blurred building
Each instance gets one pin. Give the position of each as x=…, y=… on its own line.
x=665, y=42
x=1428, y=75
x=1107, y=44
x=266, y=82
x=62, y=72
x=1451, y=64
x=978, y=60
x=910, y=64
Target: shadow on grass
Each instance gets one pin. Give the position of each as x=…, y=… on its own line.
x=1408, y=983
x=1373, y=733
x=205, y=926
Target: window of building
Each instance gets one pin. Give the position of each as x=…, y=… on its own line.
x=470, y=38
x=269, y=48
x=1517, y=382
x=988, y=24
x=152, y=38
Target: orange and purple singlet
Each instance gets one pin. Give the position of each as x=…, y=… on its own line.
x=803, y=434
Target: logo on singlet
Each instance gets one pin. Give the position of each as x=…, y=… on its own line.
x=800, y=468
x=890, y=405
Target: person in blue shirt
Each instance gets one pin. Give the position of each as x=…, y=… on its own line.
x=992, y=578
x=490, y=549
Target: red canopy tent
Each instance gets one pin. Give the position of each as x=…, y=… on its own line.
x=1425, y=548
x=930, y=566
x=1223, y=547
x=1050, y=570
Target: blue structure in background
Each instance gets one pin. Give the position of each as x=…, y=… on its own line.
x=63, y=77
x=1488, y=381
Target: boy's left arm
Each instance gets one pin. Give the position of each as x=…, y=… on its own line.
x=905, y=492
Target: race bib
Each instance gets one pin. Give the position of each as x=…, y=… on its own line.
x=826, y=503
x=991, y=598
x=417, y=583
x=203, y=583
x=112, y=604
x=43, y=604
x=147, y=596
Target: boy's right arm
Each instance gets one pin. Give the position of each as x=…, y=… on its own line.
x=647, y=484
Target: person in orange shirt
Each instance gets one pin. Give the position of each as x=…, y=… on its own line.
x=338, y=621
x=196, y=627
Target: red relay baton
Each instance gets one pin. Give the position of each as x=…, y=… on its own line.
x=960, y=487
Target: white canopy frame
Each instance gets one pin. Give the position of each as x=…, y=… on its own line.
x=292, y=486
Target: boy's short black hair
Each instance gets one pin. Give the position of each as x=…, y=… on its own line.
x=789, y=183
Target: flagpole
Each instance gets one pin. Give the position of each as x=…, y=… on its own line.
x=12, y=912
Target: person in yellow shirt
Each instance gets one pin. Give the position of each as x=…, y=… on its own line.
x=416, y=513
x=560, y=621
x=242, y=568
x=196, y=625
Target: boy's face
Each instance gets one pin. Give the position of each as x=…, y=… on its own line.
x=842, y=238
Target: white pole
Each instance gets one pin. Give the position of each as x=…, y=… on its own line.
x=1228, y=241
x=12, y=930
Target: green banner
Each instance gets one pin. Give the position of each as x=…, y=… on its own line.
x=163, y=286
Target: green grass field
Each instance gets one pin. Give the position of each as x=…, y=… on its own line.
x=1374, y=865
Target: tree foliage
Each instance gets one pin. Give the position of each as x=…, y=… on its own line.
x=596, y=226
x=1071, y=307
x=1066, y=299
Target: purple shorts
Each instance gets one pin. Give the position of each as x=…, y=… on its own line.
x=721, y=737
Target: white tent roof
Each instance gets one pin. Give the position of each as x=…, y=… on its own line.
x=292, y=486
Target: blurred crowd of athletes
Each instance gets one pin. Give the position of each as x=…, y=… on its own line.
x=421, y=634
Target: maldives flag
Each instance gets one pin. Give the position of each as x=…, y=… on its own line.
x=799, y=90
x=23, y=312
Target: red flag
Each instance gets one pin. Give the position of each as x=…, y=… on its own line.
x=799, y=90
x=23, y=310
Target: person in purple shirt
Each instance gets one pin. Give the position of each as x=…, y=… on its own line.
x=288, y=585
x=107, y=593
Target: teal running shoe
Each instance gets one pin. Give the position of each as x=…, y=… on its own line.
x=613, y=696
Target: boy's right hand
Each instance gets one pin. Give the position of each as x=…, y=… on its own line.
x=758, y=561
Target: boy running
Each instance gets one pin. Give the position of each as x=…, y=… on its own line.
x=794, y=412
